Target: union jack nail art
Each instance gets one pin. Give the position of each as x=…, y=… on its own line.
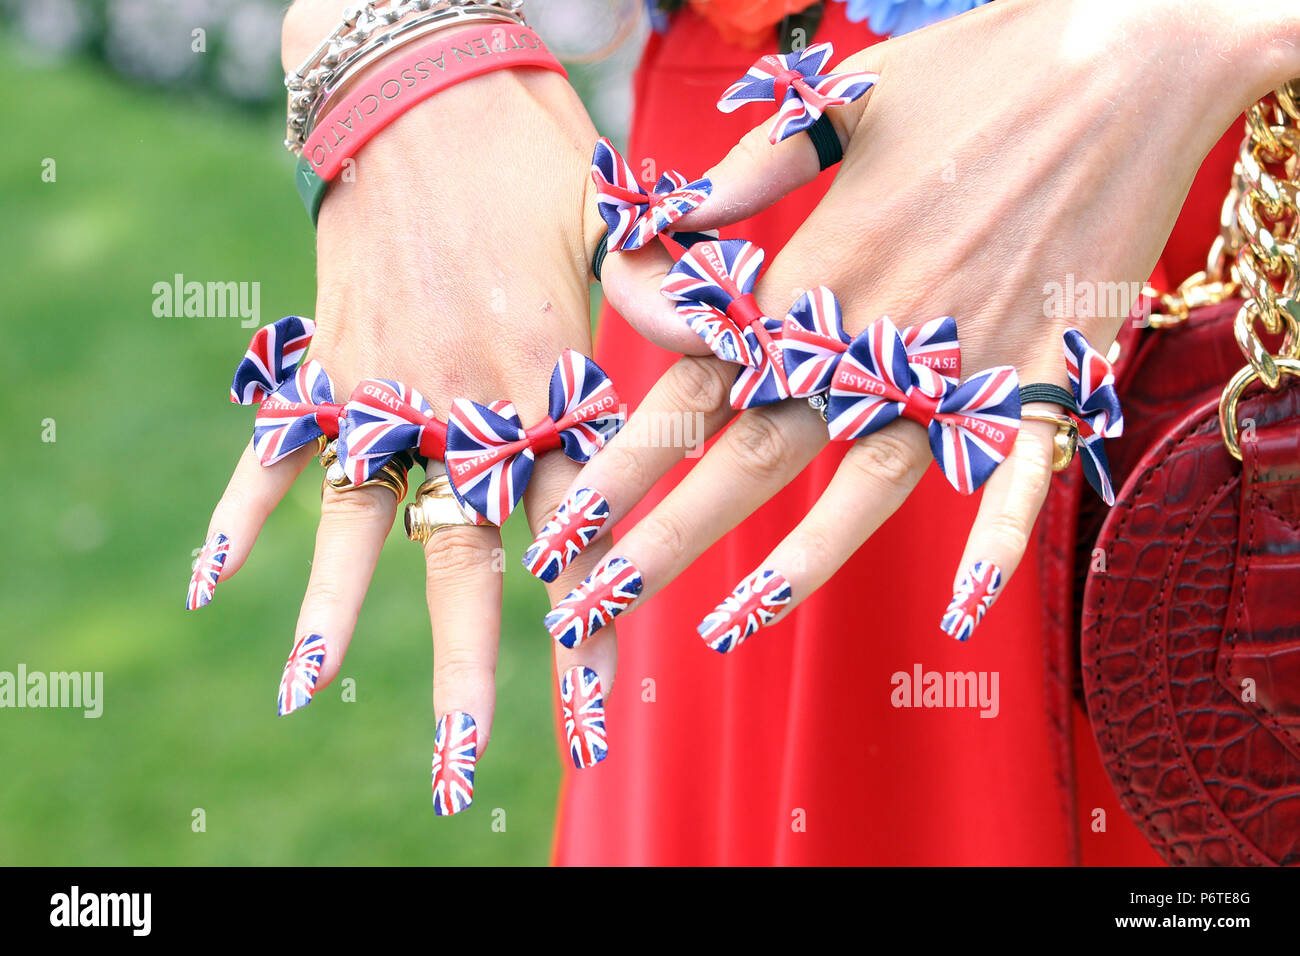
x=754, y=603
x=301, y=671
x=575, y=523
x=604, y=595
x=584, y=716
x=207, y=568
x=975, y=594
x=455, y=750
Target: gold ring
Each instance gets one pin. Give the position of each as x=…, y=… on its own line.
x=1232, y=395
x=328, y=451
x=391, y=476
x=435, y=509
x=1063, y=442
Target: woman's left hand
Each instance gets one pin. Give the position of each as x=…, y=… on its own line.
x=1002, y=151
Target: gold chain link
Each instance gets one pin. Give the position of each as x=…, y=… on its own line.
x=1257, y=250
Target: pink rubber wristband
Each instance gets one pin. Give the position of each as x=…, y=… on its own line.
x=404, y=83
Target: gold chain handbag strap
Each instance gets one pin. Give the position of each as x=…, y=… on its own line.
x=1256, y=254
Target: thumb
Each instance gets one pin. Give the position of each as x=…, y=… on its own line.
x=756, y=173
x=753, y=176
x=631, y=281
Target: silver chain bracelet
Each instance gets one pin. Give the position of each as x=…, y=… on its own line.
x=366, y=33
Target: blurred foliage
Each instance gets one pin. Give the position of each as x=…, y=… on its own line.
x=100, y=527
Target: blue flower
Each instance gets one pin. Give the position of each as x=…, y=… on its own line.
x=895, y=17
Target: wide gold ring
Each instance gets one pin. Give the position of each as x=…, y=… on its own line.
x=1064, y=441
x=1232, y=395
x=435, y=509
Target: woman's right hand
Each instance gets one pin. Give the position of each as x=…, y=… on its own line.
x=1002, y=151
x=457, y=262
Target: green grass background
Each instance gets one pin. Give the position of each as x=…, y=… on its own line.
x=100, y=525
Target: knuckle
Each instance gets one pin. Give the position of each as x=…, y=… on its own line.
x=624, y=460
x=885, y=457
x=667, y=530
x=323, y=592
x=761, y=442
x=460, y=668
x=1007, y=529
x=456, y=551
x=359, y=505
x=698, y=383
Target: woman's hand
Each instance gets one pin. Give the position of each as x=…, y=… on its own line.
x=456, y=262
x=1002, y=151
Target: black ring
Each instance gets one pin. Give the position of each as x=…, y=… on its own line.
x=1053, y=394
x=826, y=141
x=598, y=257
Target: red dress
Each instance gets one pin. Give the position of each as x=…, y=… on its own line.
x=790, y=750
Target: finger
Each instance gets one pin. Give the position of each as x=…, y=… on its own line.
x=873, y=479
x=585, y=674
x=684, y=409
x=631, y=281
x=353, y=526
x=1013, y=496
x=752, y=460
x=463, y=585
x=250, y=496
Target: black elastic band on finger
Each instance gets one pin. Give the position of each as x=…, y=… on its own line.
x=1052, y=394
x=598, y=257
x=826, y=141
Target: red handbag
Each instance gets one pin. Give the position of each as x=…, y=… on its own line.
x=1185, y=645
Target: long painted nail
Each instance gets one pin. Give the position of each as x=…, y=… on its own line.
x=455, y=751
x=753, y=604
x=573, y=526
x=975, y=594
x=604, y=595
x=207, y=568
x=584, y=716
x=301, y=671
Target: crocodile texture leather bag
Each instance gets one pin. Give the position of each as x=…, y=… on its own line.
x=1187, y=592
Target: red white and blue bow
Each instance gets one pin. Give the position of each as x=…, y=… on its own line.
x=813, y=340
x=632, y=215
x=713, y=286
x=383, y=419
x=1099, y=413
x=792, y=80
x=296, y=414
x=490, y=454
x=972, y=426
x=272, y=355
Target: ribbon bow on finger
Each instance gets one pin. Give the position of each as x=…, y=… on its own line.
x=632, y=215
x=813, y=340
x=299, y=412
x=792, y=81
x=384, y=419
x=1092, y=379
x=490, y=454
x=972, y=425
x=713, y=286
x=272, y=355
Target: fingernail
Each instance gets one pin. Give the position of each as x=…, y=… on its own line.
x=584, y=716
x=301, y=671
x=753, y=604
x=573, y=526
x=207, y=568
x=975, y=594
x=455, y=750
x=604, y=595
